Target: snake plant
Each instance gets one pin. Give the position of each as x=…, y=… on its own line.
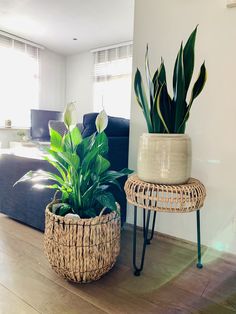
x=163, y=113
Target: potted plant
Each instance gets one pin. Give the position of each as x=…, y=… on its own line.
x=165, y=152
x=82, y=228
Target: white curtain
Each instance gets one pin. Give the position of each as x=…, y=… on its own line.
x=19, y=80
x=112, y=80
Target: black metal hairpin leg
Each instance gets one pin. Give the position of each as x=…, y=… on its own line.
x=199, y=256
x=153, y=226
x=137, y=270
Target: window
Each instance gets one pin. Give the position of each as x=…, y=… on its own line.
x=19, y=80
x=112, y=80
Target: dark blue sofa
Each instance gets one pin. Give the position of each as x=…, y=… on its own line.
x=26, y=204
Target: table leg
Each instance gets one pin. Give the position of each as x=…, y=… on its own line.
x=137, y=270
x=153, y=226
x=199, y=257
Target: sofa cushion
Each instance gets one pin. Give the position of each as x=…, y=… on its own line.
x=116, y=126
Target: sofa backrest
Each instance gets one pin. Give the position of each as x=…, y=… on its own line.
x=117, y=127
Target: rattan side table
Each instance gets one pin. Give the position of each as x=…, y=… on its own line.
x=155, y=198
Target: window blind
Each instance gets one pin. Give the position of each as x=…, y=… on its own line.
x=112, y=80
x=113, y=63
x=18, y=45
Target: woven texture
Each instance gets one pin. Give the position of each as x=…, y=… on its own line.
x=82, y=250
x=182, y=198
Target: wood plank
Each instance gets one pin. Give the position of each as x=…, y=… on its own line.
x=170, y=282
x=23, y=275
x=11, y=304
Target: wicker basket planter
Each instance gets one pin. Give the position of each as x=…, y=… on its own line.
x=82, y=250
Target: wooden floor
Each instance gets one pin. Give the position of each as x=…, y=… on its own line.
x=170, y=282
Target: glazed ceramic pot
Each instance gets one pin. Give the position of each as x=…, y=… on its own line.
x=164, y=158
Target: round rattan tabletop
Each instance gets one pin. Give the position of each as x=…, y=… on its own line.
x=181, y=198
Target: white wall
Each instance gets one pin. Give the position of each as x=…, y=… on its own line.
x=79, y=81
x=52, y=80
x=212, y=124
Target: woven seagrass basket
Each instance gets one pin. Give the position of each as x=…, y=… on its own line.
x=82, y=250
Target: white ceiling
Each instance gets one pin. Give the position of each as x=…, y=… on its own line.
x=54, y=23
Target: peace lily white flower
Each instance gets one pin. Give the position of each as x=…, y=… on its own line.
x=71, y=114
x=101, y=121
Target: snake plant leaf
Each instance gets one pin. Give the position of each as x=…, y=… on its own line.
x=142, y=99
x=166, y=107
x=161, y=105
x=155, y=80
x=156, y=121
x=200, y=83
x=189, y=58
x=148, y=78
x=197, y=89
x=174, y=74
x=162, y=73
x=179, y=95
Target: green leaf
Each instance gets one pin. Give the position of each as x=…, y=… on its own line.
x=72, y=159
x=107, y=200
x=200, y=83
x=148, y=78
x=179, y=96
x=162, y=103
x=72, y=139
x=64, y=209
x=162, y=74
x=56, y=165
x=101, y=142
x=188, y=59
x=155, y=80
x=89, y=158
x=142, y=99
x=86, y=145
x=55, y=140
x=88, y=196
x=197, y=89
x=101, y=165
x=76, y=136
x=165, y=108
x=111, y=175
x=40, y=175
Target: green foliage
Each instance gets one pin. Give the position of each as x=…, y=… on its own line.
x=164, y=114
x=83, y=176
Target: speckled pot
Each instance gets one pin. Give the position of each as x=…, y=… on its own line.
x=164, y=158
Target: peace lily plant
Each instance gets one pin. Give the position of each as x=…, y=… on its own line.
x=165, y=151
x=82, y=171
